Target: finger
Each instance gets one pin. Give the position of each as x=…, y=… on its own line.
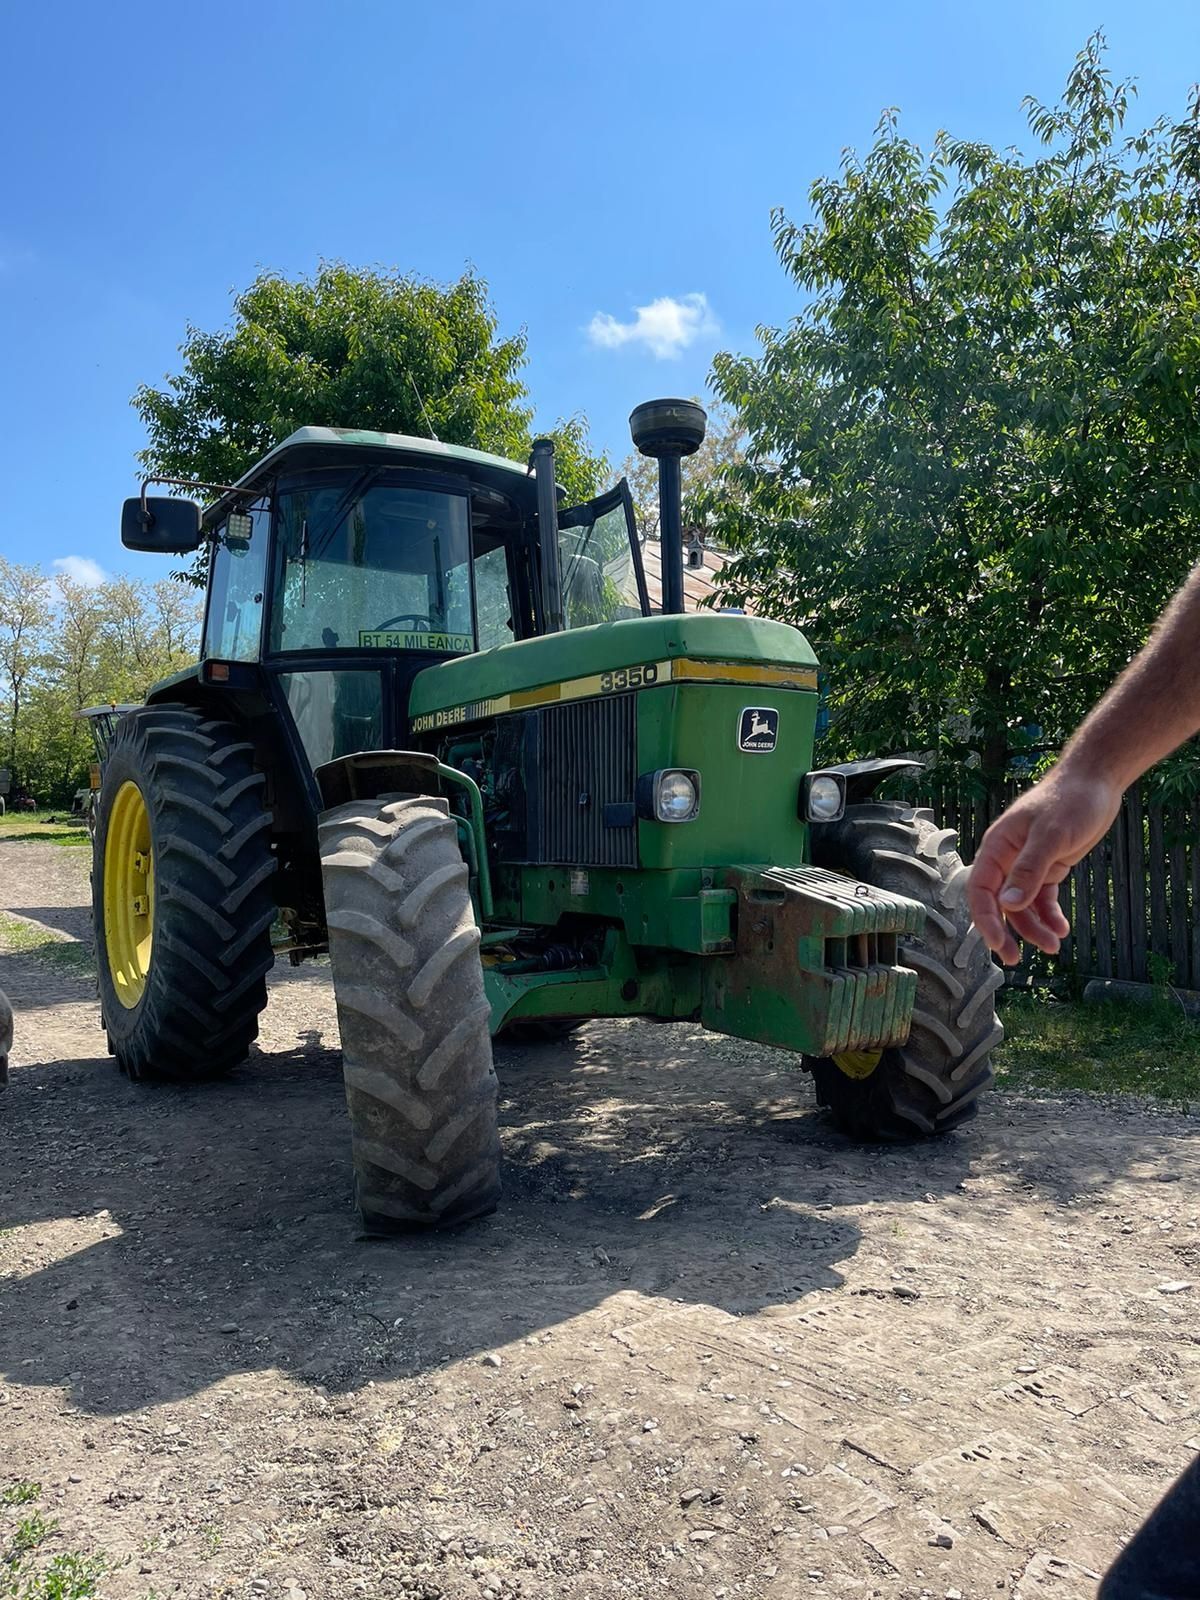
x=1006, y=950
x=998, y=849
x=994, y=932
x=1033, y=867
x=1029, y=926
x=1051, y=912
x=1043, y=923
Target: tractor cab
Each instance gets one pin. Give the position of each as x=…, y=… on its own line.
x=345, y=562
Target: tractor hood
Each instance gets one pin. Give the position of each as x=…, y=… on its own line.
x=633, y=654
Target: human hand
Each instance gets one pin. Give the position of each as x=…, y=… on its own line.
x=1027, y=852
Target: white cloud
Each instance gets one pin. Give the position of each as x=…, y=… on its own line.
x=666, y=326
x=81, y=569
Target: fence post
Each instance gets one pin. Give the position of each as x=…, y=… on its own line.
x=1159, y=918
x=1136, y=832
x=1122, y=870
x=1180, y=942
x=1102, y=898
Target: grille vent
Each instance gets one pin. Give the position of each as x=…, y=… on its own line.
x=588, y=761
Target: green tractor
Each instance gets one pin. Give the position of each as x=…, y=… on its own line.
x=438, y=731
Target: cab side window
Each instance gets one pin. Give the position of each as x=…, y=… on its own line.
x=493, y=603
x=233, y=630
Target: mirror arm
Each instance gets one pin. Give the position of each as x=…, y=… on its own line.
x=182, y=483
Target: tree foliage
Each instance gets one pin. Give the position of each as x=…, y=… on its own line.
x=64, y=646
x=973, y=460
x=350, y=347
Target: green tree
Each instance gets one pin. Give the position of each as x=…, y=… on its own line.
x=350, y=347
x=25, y=614
x=973, y=459
x=65, y=645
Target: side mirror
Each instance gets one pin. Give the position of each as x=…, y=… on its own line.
x=166, y=526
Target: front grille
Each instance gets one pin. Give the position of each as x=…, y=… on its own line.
x=587, y=776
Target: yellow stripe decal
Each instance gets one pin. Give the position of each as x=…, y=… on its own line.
x=744, y=672
x=646, y=675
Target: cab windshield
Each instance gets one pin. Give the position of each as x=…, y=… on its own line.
x=363, y=561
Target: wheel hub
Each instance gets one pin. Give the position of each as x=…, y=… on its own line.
x=858, y=1063
x=128, y=895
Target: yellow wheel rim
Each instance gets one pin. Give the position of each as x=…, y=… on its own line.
x=858, y=1063
x=128, y=895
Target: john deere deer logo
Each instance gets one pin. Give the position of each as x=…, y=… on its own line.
x=758, y=729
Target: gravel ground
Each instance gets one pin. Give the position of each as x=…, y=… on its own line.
x=705, y=1349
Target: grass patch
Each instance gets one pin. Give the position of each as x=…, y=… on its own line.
x=70, y=1576
x=72, y=838
x=29, y=1534
x=24, y=1573
x=64, y=955
x=47, y=827
x=1151, y=1050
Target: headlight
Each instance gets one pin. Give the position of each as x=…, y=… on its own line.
x=823, y=796
x=670, y=795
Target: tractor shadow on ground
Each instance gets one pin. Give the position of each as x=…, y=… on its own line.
x=75, y=921
x=209, y=1231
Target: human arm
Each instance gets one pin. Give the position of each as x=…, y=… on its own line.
x=1026, y=853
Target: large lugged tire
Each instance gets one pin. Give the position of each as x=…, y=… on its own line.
x=181, y=894
x=932, y=1083
x=416, y=1051
x=6, y=1037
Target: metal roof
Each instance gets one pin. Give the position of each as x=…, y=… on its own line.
x=699, y=583
x=402, y=444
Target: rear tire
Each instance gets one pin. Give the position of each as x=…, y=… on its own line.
x=210, y=903
x=932, y=1083
x=416, y=1049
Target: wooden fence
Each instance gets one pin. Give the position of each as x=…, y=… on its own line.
x=1134, y=902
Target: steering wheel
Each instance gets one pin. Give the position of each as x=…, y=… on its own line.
x=420, y=624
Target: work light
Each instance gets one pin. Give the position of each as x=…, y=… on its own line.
x=823, y=796
x=670, y=795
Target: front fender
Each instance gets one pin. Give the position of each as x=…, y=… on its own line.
x=864, y=777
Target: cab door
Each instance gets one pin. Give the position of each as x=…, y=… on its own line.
x=601, y=558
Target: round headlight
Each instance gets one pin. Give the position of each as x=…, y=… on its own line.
x=676, y=800
x=824, y=798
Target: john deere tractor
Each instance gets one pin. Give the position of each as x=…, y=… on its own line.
x=438, y=731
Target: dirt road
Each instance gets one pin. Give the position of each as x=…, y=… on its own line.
x=706, y=1348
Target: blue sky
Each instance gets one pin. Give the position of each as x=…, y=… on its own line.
x=588, y=160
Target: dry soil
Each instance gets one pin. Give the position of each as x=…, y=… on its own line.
x=705, y=1349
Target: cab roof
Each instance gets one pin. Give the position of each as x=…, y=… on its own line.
x=314, y=446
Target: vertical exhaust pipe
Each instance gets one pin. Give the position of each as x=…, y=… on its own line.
x=542, y=461
x=669, y=430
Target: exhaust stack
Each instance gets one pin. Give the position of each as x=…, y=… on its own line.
x=542, y=464
x=669, y=430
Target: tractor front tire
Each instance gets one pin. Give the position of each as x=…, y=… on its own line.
x=181, y=894
x=416, y=1049
x=932, y=1083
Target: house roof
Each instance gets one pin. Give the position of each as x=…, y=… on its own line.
x=699, y=583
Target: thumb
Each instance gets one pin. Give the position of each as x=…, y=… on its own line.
x=1032, y=867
